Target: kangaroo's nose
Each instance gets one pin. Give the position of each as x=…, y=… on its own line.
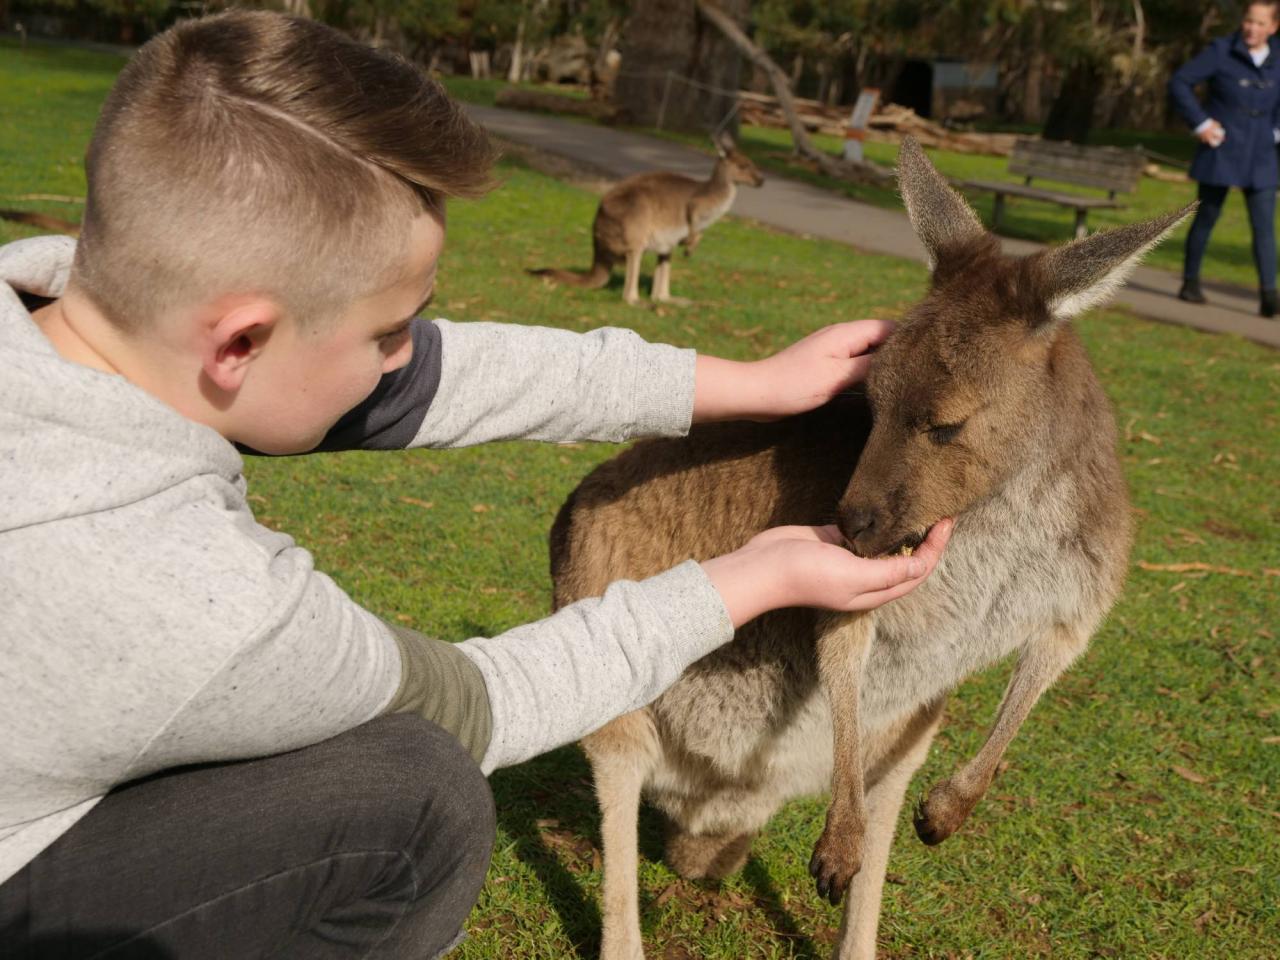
x=856, y=522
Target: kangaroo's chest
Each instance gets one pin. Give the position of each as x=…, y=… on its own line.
x=993, y=591
x=706, y=216
x=663, y=238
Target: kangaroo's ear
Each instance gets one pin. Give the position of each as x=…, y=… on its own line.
x=940, y=216
x=1088, y=272
x=723, y=143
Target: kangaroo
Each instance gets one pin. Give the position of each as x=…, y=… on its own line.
x=658, y=211
x=982, y=406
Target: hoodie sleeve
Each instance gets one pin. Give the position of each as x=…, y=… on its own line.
x=232, y=645
x=469, y=383
x=1181, y=85
x=268, y=653
x=507, y=382
x=553, y=681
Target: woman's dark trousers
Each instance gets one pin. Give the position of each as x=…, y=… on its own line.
x=1262, y=215
x=372, y=844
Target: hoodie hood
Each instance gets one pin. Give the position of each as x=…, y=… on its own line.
x=74, y=440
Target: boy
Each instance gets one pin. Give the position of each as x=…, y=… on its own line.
x=264, y=216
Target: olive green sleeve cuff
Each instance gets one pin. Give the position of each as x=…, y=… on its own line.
x=438, y=682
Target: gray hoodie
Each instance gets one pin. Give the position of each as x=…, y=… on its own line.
x=147, y=620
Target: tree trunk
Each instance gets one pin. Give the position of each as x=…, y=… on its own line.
x=828, y=164
x=1071, y=115
x=517, y=50
x=670, y=58
x=1032, y=109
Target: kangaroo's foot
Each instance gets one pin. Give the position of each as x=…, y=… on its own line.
x=836, y=860
x=940, y=814
x=619, y=950
x=671, y=301
x=714, y=856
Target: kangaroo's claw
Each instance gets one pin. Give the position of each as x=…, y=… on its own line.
x=834, y=864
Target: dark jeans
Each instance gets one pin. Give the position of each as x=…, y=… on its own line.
x=372, y=844
x=1262, y=215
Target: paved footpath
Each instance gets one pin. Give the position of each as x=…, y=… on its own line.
x=800, y=208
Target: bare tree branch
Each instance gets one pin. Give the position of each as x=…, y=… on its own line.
x=843, y=169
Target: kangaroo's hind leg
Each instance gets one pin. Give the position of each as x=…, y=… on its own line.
x=631, y=287
x=622, y=754
x=842, y=645
x=887, y=777
x=1041, y=661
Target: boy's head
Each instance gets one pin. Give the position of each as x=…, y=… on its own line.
x=255, y=158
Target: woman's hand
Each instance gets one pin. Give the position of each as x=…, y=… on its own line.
x=801, y=377
x=1212, y=134
x=808, y=567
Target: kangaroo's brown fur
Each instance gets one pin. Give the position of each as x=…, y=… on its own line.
x=986, y=409
x=658, y=211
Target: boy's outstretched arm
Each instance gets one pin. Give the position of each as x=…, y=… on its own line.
x=549, y=683
x=470, y=383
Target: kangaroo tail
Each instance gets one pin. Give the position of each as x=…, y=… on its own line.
x=41, y=220
x=597, y=276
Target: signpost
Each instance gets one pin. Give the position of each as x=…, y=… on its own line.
x=856, y=132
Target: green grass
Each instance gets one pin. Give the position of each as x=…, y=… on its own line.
x=485, y=91
x=1090, y=844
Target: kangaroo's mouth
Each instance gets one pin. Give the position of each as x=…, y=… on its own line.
x=907, y=546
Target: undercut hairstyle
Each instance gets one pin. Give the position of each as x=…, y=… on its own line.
x=256, y=153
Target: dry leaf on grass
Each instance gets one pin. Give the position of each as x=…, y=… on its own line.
x=1187, y=774
x=667, y=893
x=424, y=504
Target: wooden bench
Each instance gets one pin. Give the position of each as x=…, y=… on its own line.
x=1107, y=168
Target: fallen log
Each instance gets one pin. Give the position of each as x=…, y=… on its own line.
x=522, y=98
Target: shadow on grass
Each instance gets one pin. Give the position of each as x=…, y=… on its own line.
x=541, y=805
x=548, y=810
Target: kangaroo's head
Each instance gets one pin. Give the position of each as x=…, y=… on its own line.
x=738, y=164
x=968, y=388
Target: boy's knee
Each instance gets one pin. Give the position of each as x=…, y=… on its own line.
x=425, y=782
x=440, y=812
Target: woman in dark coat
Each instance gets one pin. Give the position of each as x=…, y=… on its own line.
x=1237, y=129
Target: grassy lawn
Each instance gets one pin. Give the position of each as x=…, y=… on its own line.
x=1229, y=258
x=1139, y=815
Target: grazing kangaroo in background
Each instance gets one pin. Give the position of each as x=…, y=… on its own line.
x=658, y=211
x=982, y=406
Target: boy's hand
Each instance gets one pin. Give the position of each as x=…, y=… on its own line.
x=808, y=567
x=803, y=376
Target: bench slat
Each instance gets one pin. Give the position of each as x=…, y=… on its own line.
x=1107, y=168
x=1036, y=193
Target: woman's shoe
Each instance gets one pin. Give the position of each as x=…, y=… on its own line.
x=1190, y=291
x=1267, y=306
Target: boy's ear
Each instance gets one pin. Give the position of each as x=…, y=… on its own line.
x=233, y=333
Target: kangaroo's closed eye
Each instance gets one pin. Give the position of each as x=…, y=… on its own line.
x=945, y=433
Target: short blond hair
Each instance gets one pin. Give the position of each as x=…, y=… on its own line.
x=252, y=152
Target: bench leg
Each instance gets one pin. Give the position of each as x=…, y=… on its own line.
x=1081, y=232
x=997, y=212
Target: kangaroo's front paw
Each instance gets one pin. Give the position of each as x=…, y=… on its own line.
x=837, y=858
x=940, y=814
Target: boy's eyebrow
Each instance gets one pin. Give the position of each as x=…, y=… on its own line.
x=401, y=324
